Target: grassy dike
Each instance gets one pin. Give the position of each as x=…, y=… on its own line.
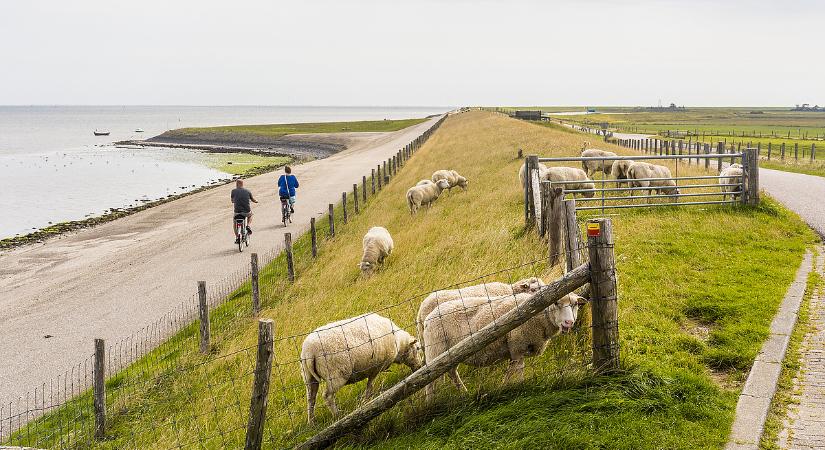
x=698, y=289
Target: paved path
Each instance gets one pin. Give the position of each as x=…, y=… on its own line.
x=804, y=428
x=802, y=194
x=111, y=280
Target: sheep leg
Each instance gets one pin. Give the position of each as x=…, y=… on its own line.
x=312, y=393
x=329, y=396
x=515, y=370
x=453, y=373
x=368, y=390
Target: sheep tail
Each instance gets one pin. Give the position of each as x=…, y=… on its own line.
x=308, y=370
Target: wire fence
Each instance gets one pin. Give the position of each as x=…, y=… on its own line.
x=62, y=414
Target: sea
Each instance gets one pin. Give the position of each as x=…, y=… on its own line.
x=54, y=169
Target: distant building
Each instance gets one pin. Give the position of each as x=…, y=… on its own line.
x=528, y=115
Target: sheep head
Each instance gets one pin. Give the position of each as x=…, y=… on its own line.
x=442, y=184
x=367, y=268
x=409, y=350
x=563, y=314
x=528, y=285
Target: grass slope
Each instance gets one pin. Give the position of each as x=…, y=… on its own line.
x=698, y=288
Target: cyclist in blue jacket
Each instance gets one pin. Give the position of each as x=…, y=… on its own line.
x=287, y=183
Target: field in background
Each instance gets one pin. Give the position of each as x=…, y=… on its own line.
x=698, y=288
x=243, y=164
x=277, y=130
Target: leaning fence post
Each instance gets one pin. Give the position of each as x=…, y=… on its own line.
x=203, y=314
x=100, y=388
x=290, y=266
x=751, y=173
x=256, y=293
x=573, y=256
x=331, y=220
x=260, y=386
x=603, y=296
x=529, y=209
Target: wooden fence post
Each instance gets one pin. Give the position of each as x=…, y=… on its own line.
x=355, y=197
x=552, y=214
x=519, y=156
x=707, y=160
x=380, y=178
x=813, y=151
x=290, y=264
x=603, y=299
x=528, y=197
x=572, y=244
x=100, y=388
x=372, y=179
x=203, y=314
x=314, y=237
x=796, y=151
x=256, y=293
x=344, y=206
x=260, y=386
x=331, y=220
x=782, y=151
x=364, y=189
x=769, y=150
x=751, y=177
x=720, y=149
x=384, y=171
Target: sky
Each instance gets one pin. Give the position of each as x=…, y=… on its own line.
x=423, y=52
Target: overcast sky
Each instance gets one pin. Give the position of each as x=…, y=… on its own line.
x=423, y=52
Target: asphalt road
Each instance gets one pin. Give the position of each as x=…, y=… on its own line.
x=802, y=194
x=112, y=280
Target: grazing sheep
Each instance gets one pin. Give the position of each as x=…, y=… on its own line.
x=621, y=170
x=378, y=245
x=642, y=170
x=424, y=193
x=542, y=173
x=452, y=177
x=347, y=351
x=453, y=321
x=489, y=290
x=562, y=173
x=731, y=175
x=591, y=167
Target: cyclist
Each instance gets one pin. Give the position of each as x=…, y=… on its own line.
x=287, y=183
x=240, y=199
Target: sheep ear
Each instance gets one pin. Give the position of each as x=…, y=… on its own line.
x=581, y=300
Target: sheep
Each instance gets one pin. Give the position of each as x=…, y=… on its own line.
x=542, y=173
x=593, y=166
x=731, y=175
x=489, y=290
x=455, y=320
x=642, y=170
x=562, y=173
x=347, y=351
x=424, y=182
x=425, y=194
x=378, y=244
x=621, y=170
x=452, y=177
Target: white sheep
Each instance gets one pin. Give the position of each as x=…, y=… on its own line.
x=456, y=320
x=621, y=170
x=490, y=290
x=640, y=171
x=424, y=194
x=542, y=173
x=563, y=173
x=731, y=175
x=347, y=351
x=593, y=166
x=452, y=177
x=378, y=244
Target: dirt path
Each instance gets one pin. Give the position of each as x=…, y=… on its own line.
x=109, y=281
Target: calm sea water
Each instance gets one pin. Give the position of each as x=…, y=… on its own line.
x=53, y=169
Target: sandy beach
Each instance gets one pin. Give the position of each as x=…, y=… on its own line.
x=111, y=280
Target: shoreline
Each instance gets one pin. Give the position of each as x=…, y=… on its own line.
x=61, y=228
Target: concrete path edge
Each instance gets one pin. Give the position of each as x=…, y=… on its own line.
x=760, y=387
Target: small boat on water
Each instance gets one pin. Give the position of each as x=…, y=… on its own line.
x=138, y=130
x=101, y=133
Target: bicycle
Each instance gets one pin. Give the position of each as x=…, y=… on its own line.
x=241, y=235
x=286, y=211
